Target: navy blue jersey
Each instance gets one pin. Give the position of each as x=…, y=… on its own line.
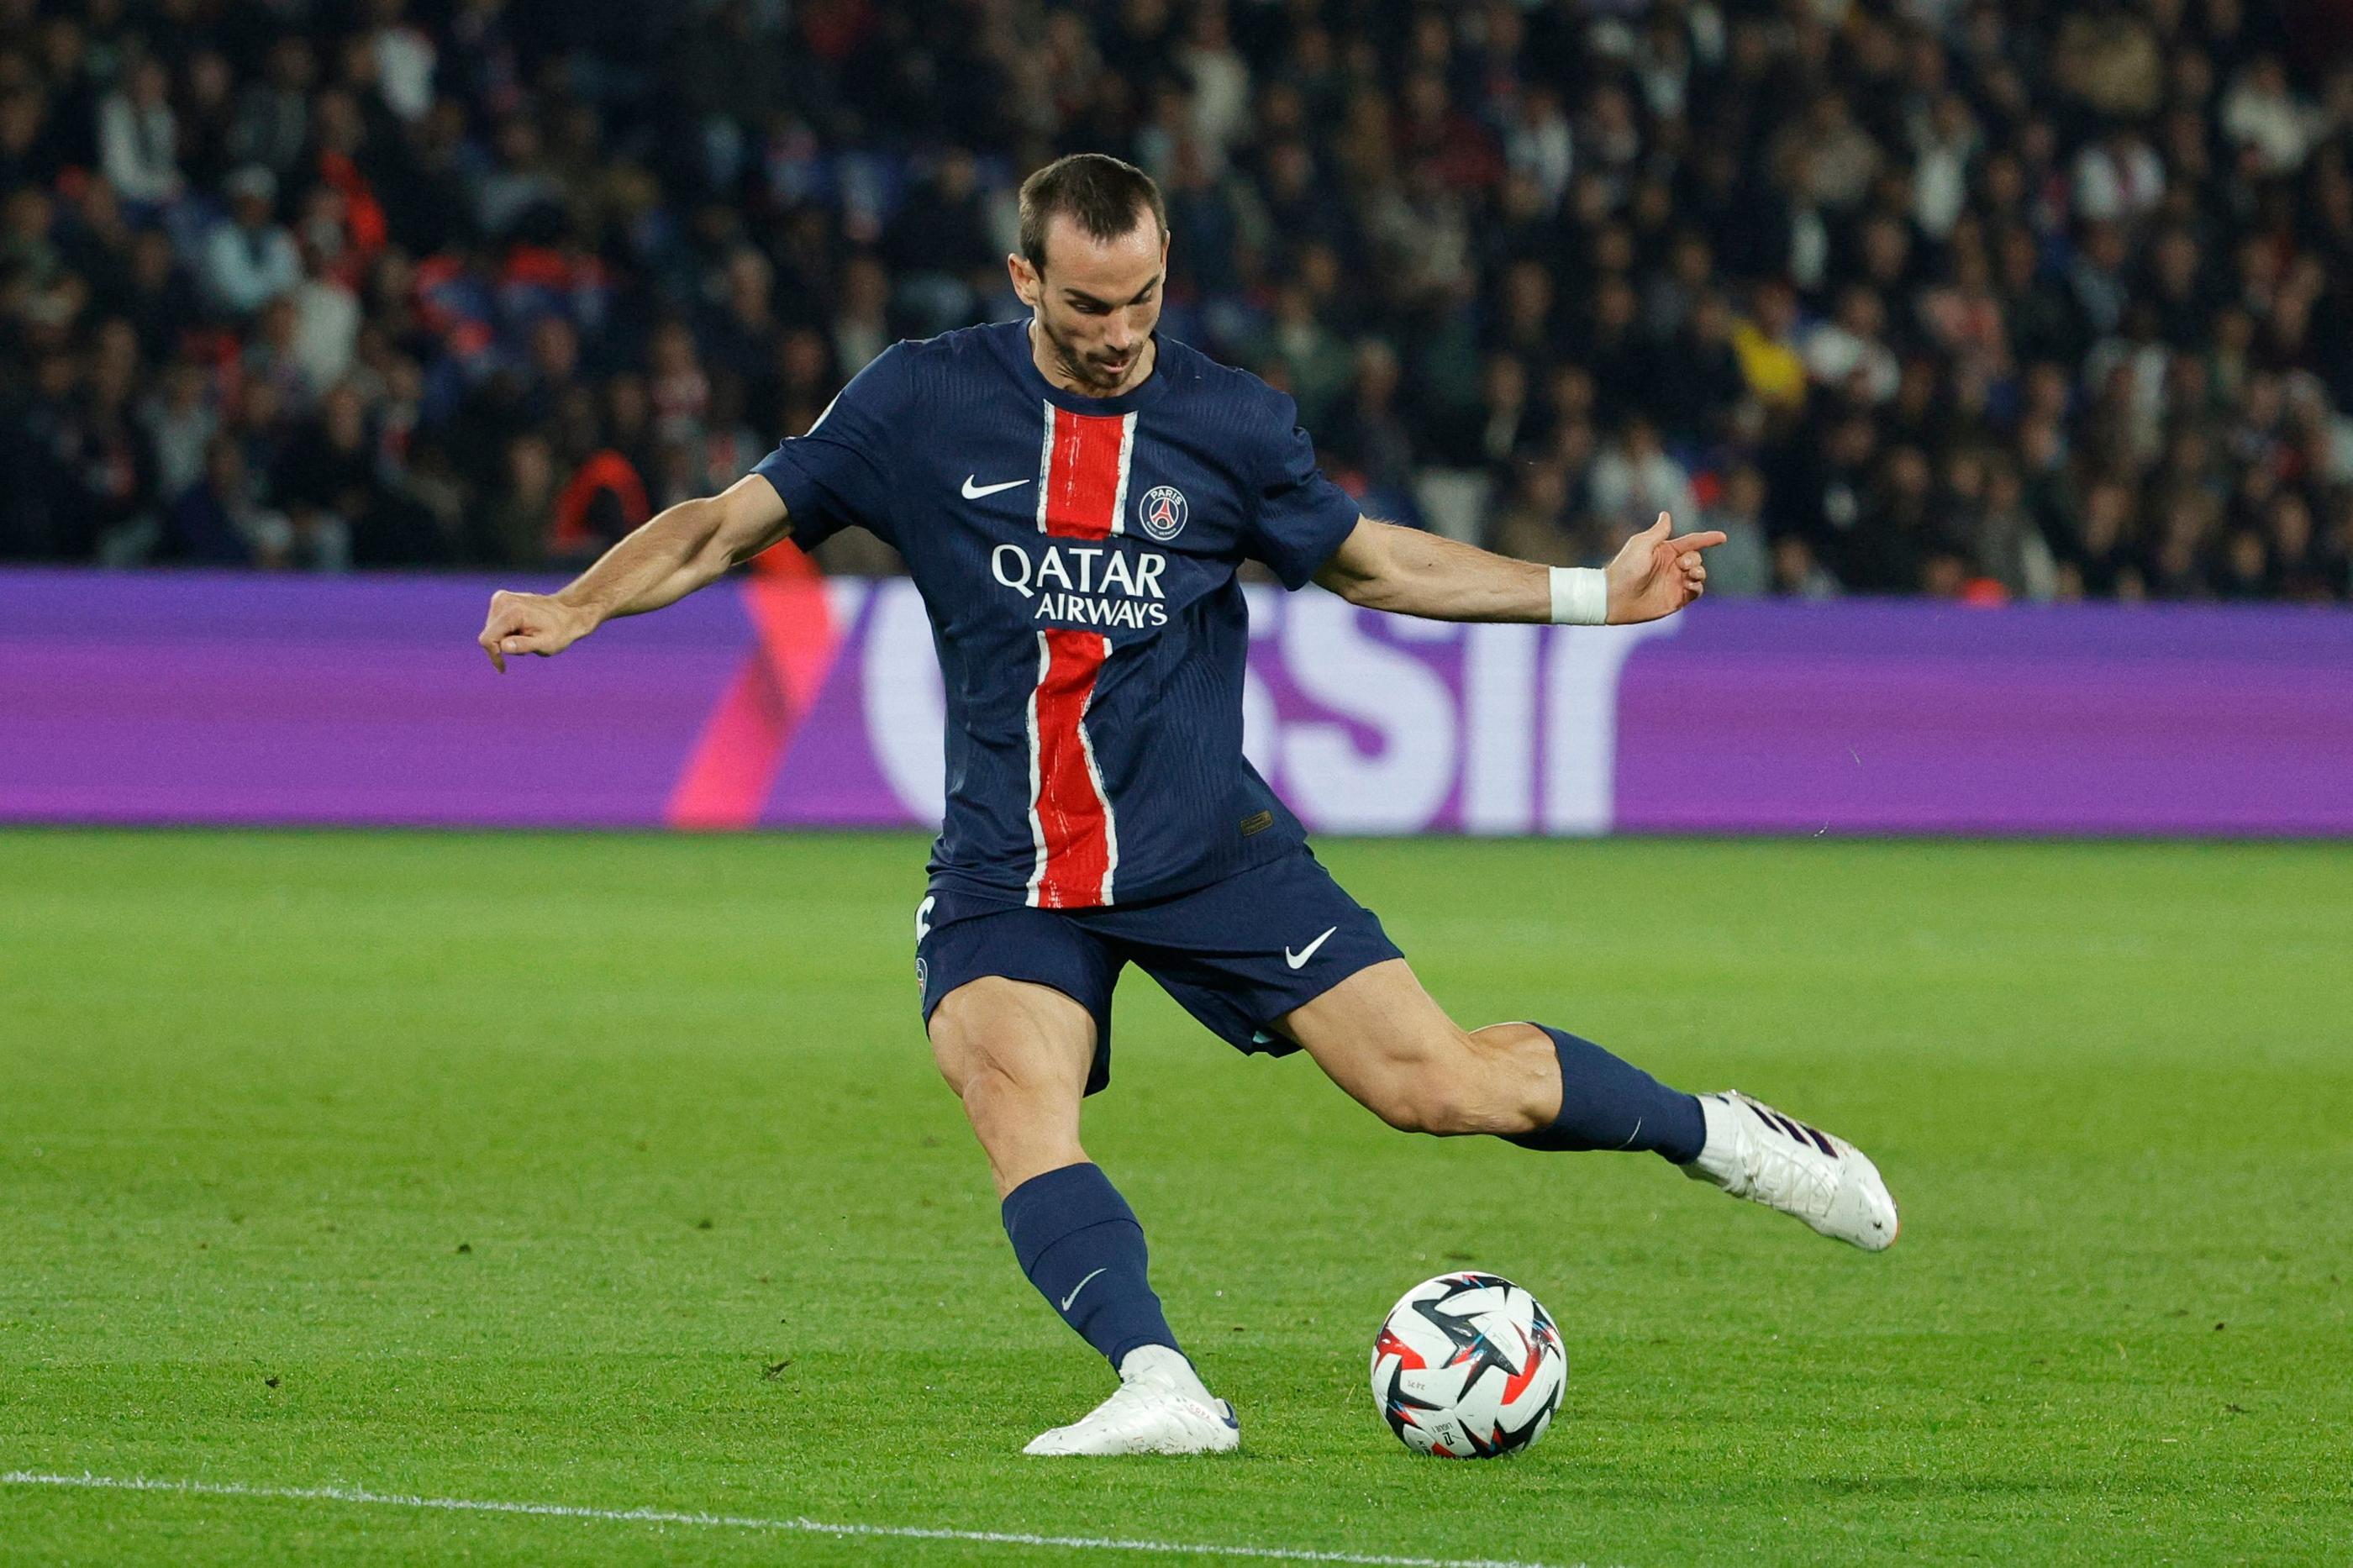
x=1077, y=557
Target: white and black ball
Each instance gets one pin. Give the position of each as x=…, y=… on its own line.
x=1468, y=1366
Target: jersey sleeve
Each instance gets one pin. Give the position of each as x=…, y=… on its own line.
x=838, y=475
x=1300, y=516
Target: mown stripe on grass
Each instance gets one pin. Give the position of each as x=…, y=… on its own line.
x=735, y=1522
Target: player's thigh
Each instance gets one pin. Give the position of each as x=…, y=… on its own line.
x=1381, y=1036
x=1013, y=994
x=1013, y=1035
x=1374, y=1026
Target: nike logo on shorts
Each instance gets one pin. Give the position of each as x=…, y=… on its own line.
x=1076, y=1288
x=974, y=493
x=1299, y=959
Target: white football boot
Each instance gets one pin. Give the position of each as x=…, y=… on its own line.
x=1161, y=1407
x=1756, y=1152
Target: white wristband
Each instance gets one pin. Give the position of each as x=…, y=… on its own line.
x=1580, y=596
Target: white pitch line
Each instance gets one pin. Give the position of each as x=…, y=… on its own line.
x=735, y=1522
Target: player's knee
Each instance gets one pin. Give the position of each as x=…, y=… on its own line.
x=955, y=1054
x=1008, y=1112
x=1002, y=1084
x=993, y=1093
x=991, y=1096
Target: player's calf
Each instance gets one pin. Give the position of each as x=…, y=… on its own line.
x=1379, y=1035
x=1455, y=1084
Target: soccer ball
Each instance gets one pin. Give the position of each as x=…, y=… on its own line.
x=1468, y=1366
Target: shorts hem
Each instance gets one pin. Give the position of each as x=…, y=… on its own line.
x=1281, y=1046
x=931, y=1006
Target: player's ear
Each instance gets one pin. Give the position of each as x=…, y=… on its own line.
x=1025, y=277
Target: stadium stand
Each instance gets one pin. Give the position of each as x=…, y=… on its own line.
x=2022, y=300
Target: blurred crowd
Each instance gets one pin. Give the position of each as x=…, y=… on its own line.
x=1954, y=297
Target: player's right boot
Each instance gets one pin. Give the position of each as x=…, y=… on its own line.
x=1152, y=1412
x=1756, y=1152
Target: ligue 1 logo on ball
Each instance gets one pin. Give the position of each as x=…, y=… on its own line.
x=1162, y=512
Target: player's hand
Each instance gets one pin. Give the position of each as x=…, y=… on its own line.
x=1654, y=575
x=532, y=623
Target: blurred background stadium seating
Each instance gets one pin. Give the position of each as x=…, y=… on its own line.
x=1980, y=300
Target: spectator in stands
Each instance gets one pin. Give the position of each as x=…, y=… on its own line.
x=138, y=136
x=1316, y=365
x=326, y=480
x=1742, y=566
x=1538, y=521
x=405, y=58
x=1846, y=353
x=273, y=115
x=181, y=424
x=2261, y=114
x=2118, y=178
x=220, y=520
x=1765, y=343
x=1634, y=479
x=861, y=328
x=513, y=526
x=250, y=259
x=205, y=118
x=517, y=183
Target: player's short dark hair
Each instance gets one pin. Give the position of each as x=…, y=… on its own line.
x=1096, y=191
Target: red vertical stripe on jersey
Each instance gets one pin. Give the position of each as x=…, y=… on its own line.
x=1080, y=477
x=1081, y=486
x=1069, y=816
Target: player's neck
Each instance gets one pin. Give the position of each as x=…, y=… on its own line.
x=1059, y=377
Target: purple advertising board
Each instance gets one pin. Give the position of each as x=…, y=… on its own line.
x=197, y=698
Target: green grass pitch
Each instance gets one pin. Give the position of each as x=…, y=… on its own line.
x=614, y=1172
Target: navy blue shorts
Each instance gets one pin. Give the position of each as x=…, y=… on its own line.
x=1237, y=955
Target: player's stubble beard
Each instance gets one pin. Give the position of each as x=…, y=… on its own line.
x=1079, y=368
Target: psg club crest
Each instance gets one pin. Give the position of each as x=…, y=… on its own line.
x=1161, y=513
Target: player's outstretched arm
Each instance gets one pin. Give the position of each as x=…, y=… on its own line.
x=1385, y=567
x=662, y=561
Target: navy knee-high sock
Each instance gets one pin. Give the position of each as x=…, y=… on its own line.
x=1609, y=1103
x=1079, y=1244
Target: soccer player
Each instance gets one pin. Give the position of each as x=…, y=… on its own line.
x=1072, y=494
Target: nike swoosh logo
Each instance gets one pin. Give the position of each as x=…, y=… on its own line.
x=974, y=493
x=1299, y=959
x=1076, y=1288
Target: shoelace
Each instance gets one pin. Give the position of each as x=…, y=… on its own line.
x=1791, y=1174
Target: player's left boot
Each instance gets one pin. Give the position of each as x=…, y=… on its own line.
x=1756, y=1152
x=1154, y=1412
